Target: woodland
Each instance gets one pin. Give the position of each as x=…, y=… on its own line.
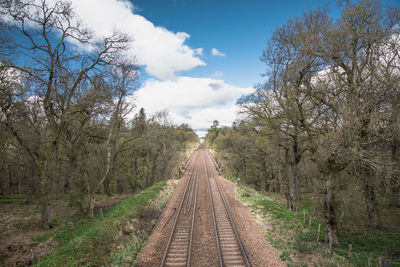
x=325, y=125
x=65, y=124
x=322, y=129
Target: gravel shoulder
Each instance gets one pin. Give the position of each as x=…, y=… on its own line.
x=251, y=232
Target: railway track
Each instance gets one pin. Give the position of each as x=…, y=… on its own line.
x=231, y=251
x=178, y=249
x=177, y=252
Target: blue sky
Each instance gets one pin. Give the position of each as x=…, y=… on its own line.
x=238, y=28
x=197, y=57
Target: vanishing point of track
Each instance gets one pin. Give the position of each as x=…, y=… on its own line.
x=231, y=251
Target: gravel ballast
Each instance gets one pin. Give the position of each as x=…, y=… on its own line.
x=204, y=250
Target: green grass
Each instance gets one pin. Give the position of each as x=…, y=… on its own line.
x=129, y=254
x=91, y=247
x=14, y=199
x=369, y=245
x=231, y=175
x=18, y=196
x=295, y=238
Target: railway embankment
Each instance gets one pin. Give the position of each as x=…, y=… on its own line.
x=204, y=225
x=113, y=237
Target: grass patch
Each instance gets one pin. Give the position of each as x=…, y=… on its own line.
x=18, y=196
x=14, y=199
x=294, y=234
x=90, y=242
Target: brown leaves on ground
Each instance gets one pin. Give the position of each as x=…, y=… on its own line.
x=20, y=224
x=18, y=250
x=106, y=203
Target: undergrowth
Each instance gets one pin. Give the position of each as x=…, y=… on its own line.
x=14, y=199
x=295, y=235
x=91, y=241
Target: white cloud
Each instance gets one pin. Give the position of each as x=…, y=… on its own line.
x=218, y=74
x=198, y=51
x=162, y=52
x=217, y=53
x=196, y=101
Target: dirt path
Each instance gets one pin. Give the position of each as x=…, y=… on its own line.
x=204, y=251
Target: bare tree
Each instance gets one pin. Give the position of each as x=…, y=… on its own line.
x=123, y=78
x=55, y=70
x=330, y=95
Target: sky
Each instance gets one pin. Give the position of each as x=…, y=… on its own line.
x=197, y=57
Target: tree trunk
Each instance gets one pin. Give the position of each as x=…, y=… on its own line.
x=72, y=174
x=289, y=201
x=264, y=177
x=281, y=186
x=43, y=194
x=395, y=176
x=91, y=198
x=45, y=213
x=91, y=202
x=394, y=191
x=288, y=183
x=382, y=188
x=292, y=186
x=153, y=170
x=289, y=191
x=295, y=172
x=10, y=183
x=372, y=207
x=296, y=183
x=331, y=231
x=112, y=187
x=244, y=172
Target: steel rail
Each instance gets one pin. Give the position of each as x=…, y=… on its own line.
x=214, y=162
x=193, y=174
x=232, y=222
x=188, y=161
x=193, y=217
x=221, y=264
